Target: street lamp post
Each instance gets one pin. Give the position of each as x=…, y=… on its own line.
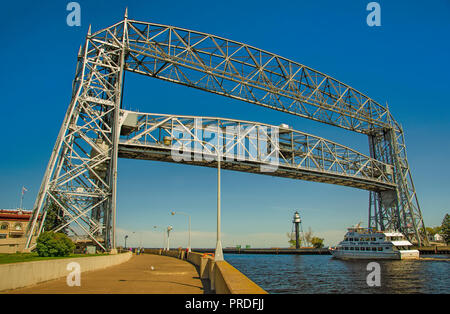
x=126, y=237
x=218, y=254
x=189, y=224
x=169, y=228
x=164, y=235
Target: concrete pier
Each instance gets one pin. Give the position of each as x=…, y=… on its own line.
x=147, y=273
x=312, y=251
x=433, y=249
x=306, y=251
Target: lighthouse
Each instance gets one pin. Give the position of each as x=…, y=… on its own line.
x=296, y=221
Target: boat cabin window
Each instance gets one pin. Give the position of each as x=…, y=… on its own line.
x=363, y=249
x=352, y=248
x=374, y=249
x=380, y=249
x=373, y=239
x=398, y=238
x=356, y=248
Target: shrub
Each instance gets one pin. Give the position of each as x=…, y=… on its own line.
x=317, y=242
x=54, y=244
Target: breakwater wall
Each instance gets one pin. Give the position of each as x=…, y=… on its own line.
x=306, y=251
x=223, y=277
x=424, y=250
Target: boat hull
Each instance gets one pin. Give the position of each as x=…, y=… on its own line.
x=410, y=254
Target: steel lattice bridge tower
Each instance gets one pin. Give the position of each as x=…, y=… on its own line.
x=81, y=176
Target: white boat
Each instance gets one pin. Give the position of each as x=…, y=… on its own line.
x=368, y=243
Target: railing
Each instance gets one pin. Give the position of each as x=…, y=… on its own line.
x=250, y=147
x=223, y=278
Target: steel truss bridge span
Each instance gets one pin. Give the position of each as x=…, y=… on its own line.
x=250, y=147
x=81, y=176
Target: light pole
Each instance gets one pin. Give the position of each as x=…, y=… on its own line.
x=126, y=237
x=164, y=235
x=169, y=228
x=140, y=238
x=189, y=224
x=218, y=254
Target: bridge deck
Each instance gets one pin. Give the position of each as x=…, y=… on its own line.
x=170, y=275
x=153, y=152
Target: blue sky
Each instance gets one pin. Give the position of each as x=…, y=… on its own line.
x=404, y=62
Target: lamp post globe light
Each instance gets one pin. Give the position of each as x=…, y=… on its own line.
x=189, y=227
x=126, y=237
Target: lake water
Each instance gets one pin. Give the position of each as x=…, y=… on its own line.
x=291, y=274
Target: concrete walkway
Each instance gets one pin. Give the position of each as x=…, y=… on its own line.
x=168, y=276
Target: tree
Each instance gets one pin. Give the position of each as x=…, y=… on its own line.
x=317, y=242
x=291, y=237
x=53, y=218
x=429, y=231
x=308, y=236
x=54, y=244
x=445, y=228
x=432, y=231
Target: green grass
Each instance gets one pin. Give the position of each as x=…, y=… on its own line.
x=31, y=257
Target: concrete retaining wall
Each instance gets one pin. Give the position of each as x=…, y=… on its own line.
x=229, y=280
x=223, y=278
x=18, y=275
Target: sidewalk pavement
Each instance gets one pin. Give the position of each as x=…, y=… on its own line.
x=147, y=273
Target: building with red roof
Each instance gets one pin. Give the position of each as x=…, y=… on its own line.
x=13, y=227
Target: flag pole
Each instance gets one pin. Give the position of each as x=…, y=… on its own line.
x=21, y=197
